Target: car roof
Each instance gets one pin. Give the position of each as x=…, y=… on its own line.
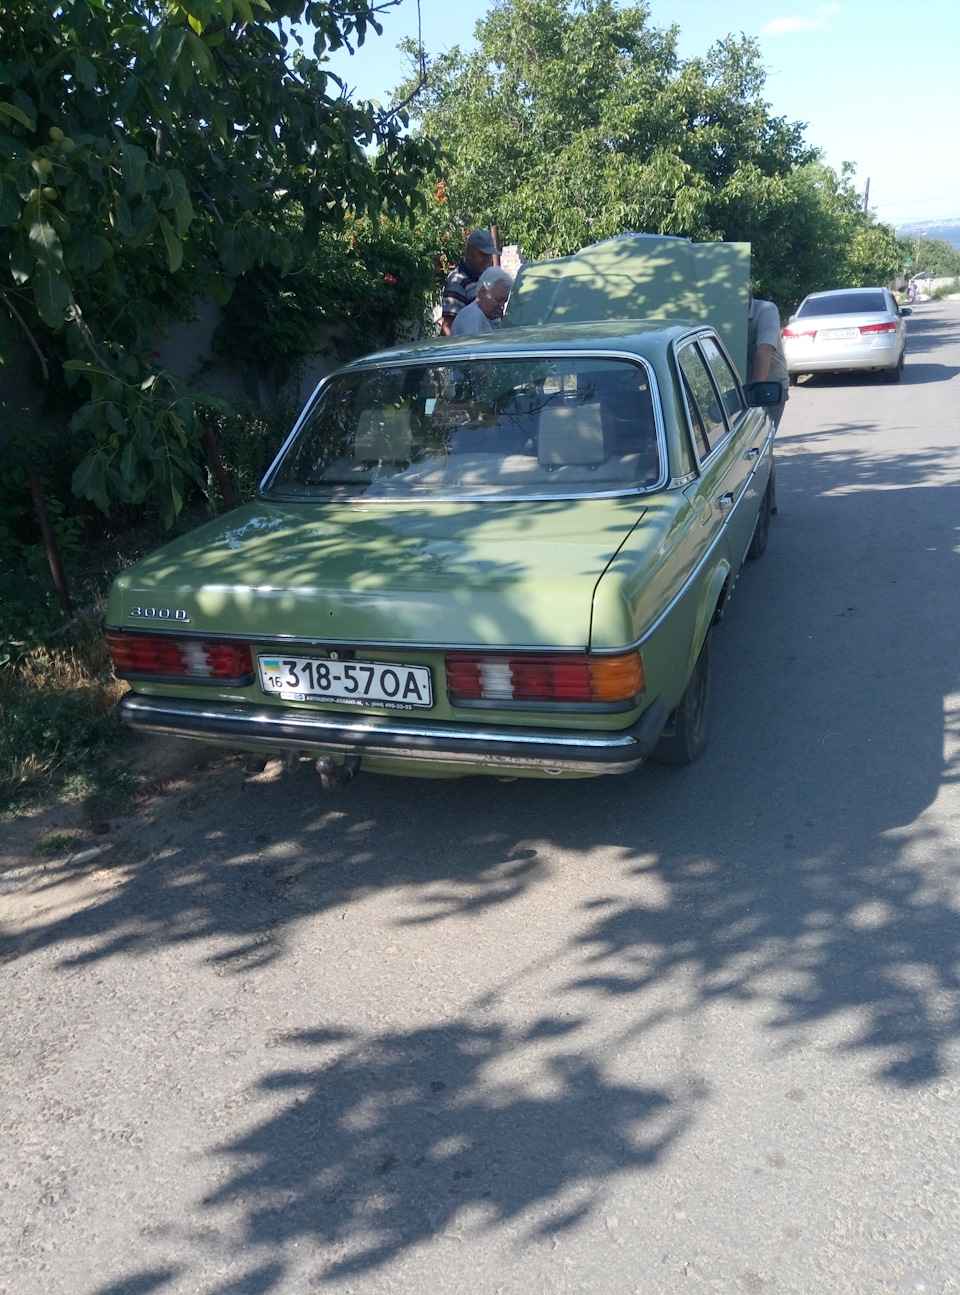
x=841, y=292
x=645, y=338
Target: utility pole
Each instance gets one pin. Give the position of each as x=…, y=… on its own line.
x=866, y=196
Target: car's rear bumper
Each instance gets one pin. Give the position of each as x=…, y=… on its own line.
x=280, y=727
x=813, y=359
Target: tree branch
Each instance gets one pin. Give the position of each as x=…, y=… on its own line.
x=28, y=335
x=211, y=205
x=421, y=80
x=77, y=316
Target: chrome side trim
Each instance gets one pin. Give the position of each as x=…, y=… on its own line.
x=282, y=727
x=284, y=642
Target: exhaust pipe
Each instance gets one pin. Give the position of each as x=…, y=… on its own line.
x=333, y=776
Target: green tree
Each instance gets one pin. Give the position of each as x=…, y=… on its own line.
x=875, y=255
x=151, y=152
x=575, y=120
x=932, y=256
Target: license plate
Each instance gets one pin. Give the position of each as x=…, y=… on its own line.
x=383, y=684
x=836, y=334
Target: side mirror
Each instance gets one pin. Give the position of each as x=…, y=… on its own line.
x=763, y=393
x=905, y=310
x=791, y=319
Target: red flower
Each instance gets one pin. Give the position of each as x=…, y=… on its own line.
x=441, y=193
x=389, y=278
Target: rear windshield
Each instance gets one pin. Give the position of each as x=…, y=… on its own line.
x=844, y=303
x=495, y=428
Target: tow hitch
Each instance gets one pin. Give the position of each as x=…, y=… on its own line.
x=334, y=776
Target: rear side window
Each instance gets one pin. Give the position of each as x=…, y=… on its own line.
x=723, y=377
x=844, y=303
x=706, y=404
x=696, y=422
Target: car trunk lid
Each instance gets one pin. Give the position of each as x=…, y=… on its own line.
x=517, y=574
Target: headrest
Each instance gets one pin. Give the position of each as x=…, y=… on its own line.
x=571, y=433
x=383, y=435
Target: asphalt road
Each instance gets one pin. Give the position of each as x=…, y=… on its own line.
x=682, y=1031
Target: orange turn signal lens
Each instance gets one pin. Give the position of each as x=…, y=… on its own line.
x=616, y=678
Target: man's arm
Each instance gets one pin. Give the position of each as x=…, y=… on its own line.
x=446, y=323
x=761, y=361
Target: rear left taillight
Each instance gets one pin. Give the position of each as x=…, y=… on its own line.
x=798, y=332
x=553, y=678
x=878, y=328
x=161, y=656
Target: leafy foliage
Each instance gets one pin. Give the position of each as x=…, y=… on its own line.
x=874, y=255
x=932, y=256
x=367, y=282
x=576, y=120
x=151, y=152
x=145, y=447
x=249, y=438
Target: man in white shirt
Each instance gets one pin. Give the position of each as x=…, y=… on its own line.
x=485, y=312
x=765, y=359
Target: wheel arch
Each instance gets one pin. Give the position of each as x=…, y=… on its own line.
x=713, y=602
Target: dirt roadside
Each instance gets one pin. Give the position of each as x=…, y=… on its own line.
x=55, y=856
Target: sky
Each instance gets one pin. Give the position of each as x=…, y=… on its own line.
x=875, y=81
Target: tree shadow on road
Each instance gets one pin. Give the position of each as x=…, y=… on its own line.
x=794, y=871
x=389, y=1140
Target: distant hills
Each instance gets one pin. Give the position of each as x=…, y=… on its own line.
x=948, y=231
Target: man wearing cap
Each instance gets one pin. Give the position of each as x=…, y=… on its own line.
x=460, y=287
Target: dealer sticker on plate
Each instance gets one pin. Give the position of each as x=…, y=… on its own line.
x=383, y=684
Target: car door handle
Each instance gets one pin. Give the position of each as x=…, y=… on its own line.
x=725, y=501
x=752, y=453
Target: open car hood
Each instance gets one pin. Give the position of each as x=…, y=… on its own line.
x=512, y=574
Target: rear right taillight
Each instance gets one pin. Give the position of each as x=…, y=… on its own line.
x=878, y=328
x=162, y=656
x=560, y=678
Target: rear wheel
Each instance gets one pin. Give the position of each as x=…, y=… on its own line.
x=893, y=375
x=685, y=737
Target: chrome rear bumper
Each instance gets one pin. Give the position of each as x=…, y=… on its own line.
x=281, y=727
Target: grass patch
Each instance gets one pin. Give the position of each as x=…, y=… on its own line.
x=58, y=693
x=58, y=721
x=945, y=290
x=59, y=843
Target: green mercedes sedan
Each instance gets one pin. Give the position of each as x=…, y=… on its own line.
x=500, y=555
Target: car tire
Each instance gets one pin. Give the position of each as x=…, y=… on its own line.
x=685, y=737
x=893, y=375
x=761, y=530
x=794, y=379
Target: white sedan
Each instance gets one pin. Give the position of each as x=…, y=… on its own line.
x=848, y=328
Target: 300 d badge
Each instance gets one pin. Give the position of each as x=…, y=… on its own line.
x=178, y=614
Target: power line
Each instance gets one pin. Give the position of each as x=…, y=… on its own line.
x=915, y=202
